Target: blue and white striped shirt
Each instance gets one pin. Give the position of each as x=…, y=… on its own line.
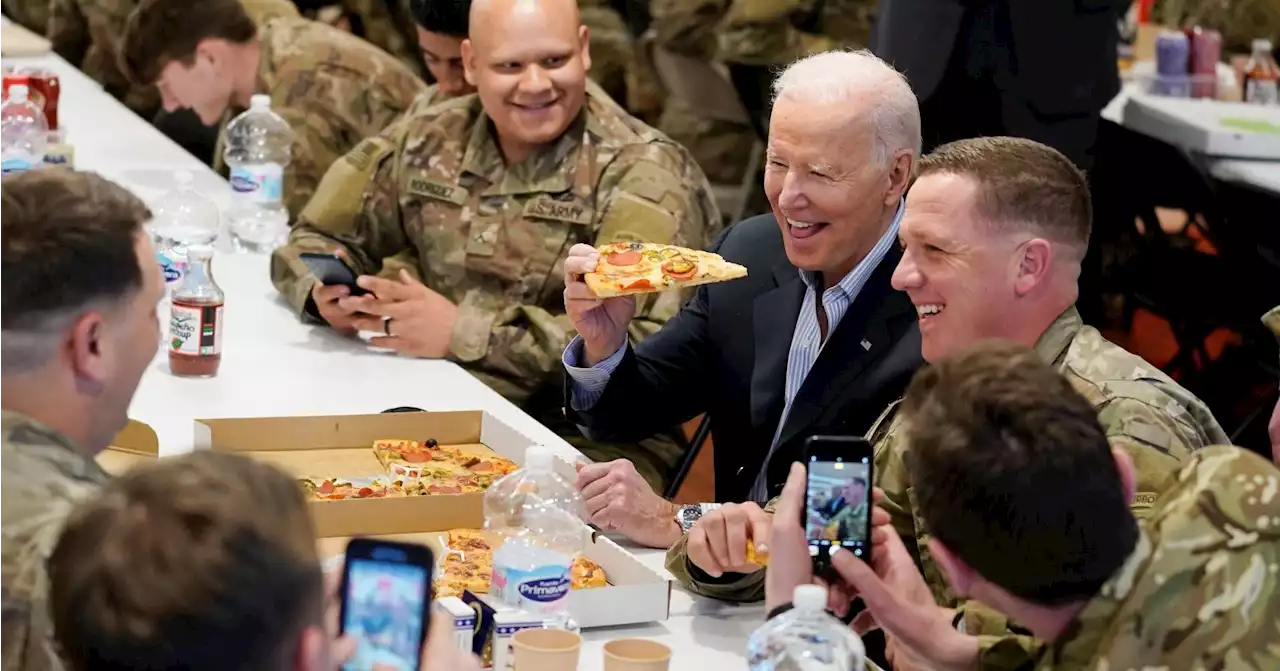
x=806, y=341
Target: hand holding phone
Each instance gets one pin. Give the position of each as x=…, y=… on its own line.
x=386, y=603
x=331, y=270
x=837, y=511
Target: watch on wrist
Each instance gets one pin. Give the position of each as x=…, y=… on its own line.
x=688, y=515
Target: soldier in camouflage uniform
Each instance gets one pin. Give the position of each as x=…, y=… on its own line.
x=465, y=228
x=87, y=33
x=1272, y=321
x=1141, y=409
x=1029, y=499
x=388, y=25
x=61, y=409
x=442, y=26
x=333, y=89
x=1239, y=21
x=30, y=14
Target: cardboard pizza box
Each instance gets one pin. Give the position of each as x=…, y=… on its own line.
x=136, y=443
x=341, y=446
x=646, y=593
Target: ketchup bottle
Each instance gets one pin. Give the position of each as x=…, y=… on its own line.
x=195, y=322
x=1261, y=76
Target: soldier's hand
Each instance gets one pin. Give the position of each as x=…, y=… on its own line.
x=718, y=541
x=415, y=320
x=328, y=300
x=602, y=322
x=919, y=633
x=618, y=499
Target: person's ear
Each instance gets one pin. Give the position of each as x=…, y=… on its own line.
x=468, y=62
x=900, y=166
x=584, y=38
x=959, y=574
x=1034, y=259
x=1128, y=475
x=207, y=50
x=86, y=346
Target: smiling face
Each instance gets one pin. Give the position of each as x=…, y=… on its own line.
x=529, y=64
x=960, y=271
x=827, y=194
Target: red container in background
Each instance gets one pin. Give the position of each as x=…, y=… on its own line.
x=44, y=87
x=1206, y=51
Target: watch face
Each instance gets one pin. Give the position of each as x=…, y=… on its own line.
x=689, y=515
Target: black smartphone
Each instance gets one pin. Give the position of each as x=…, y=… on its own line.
x=330, y=269
x=386, y=603
x=837, y=496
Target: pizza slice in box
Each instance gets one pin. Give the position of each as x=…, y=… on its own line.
x=627, y=268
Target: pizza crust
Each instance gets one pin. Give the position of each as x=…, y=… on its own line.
x=646, y=276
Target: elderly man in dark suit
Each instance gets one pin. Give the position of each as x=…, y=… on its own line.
x=1042, y=70
x=814, y=340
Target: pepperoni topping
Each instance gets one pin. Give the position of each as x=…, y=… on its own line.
x=325, y=487
x=623, y=259
x=640, y=284
x=364, y=491
x=415, y=457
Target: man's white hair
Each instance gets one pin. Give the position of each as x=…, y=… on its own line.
x=847, y=76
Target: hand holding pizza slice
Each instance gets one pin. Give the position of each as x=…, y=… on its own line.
x=627, y=268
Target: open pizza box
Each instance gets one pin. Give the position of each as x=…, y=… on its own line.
x=646, y=593
x=136, y=444
x=341, y=446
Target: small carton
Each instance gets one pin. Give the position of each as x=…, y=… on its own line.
x=136, y=443
x=496, y=626
x=464, y=620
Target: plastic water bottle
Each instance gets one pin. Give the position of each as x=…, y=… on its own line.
x=806, y=638
x=540, y=515
x=257, y=151
x=181, y=218
x=24, y=132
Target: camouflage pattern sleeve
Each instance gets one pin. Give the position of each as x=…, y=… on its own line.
x=316, y=145
x=27, y=633
x=736, y=587
x=651, y=192
x=68, y=31
x=760, y=32
x=355, y=210
x=1158, y=443
x=688, y=27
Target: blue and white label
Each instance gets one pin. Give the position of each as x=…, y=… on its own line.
x=539, y=590
x=172, y=266
x=14, y=164
x=259, y=183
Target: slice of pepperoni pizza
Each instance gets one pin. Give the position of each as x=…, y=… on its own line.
x=627, y=268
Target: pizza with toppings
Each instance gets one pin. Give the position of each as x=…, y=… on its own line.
x=467, y=564
x=440, y=469
x=337, y=489
x=627, y=268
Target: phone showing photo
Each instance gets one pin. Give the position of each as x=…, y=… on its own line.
x=837, y=508
x=386, y=603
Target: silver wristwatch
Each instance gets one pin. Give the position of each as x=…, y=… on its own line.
x=688, y=515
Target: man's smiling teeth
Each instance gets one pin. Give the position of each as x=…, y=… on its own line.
x=932, y=309
x=801, y=224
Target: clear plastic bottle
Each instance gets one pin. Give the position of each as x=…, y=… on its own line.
x=181, y=218
x=806, y=638
x=257, y=151
x=1261, y=76
x=24, y=132
x=540, y=515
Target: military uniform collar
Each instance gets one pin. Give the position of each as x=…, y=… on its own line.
x=1079, y=645
x=20, y=431
x=1055, y=340
x=550, y=170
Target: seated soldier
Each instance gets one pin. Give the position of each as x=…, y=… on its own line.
x=174, y=566
x=1029, y=501
x=993, y=235
x=458, y=216
x=333, y=89
x=81, y=286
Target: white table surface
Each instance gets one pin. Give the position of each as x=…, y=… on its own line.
x=274, y=365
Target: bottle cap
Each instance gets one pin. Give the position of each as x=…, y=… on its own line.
x=1260, y=44
x=539, y=457
x=809, y=597
x=18, y=92
x=260, y=101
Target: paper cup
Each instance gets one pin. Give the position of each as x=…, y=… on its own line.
x=636, y=654
x=545, y=650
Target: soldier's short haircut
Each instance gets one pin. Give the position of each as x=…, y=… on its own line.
x=1014, y=474
x=68, y=244
x=447, y=17
x=162, y=31
x=844, y=76
x=1022, y=184
x=204, y=561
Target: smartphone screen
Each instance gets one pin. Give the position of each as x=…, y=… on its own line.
x=386, y=593
x=838, y=505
